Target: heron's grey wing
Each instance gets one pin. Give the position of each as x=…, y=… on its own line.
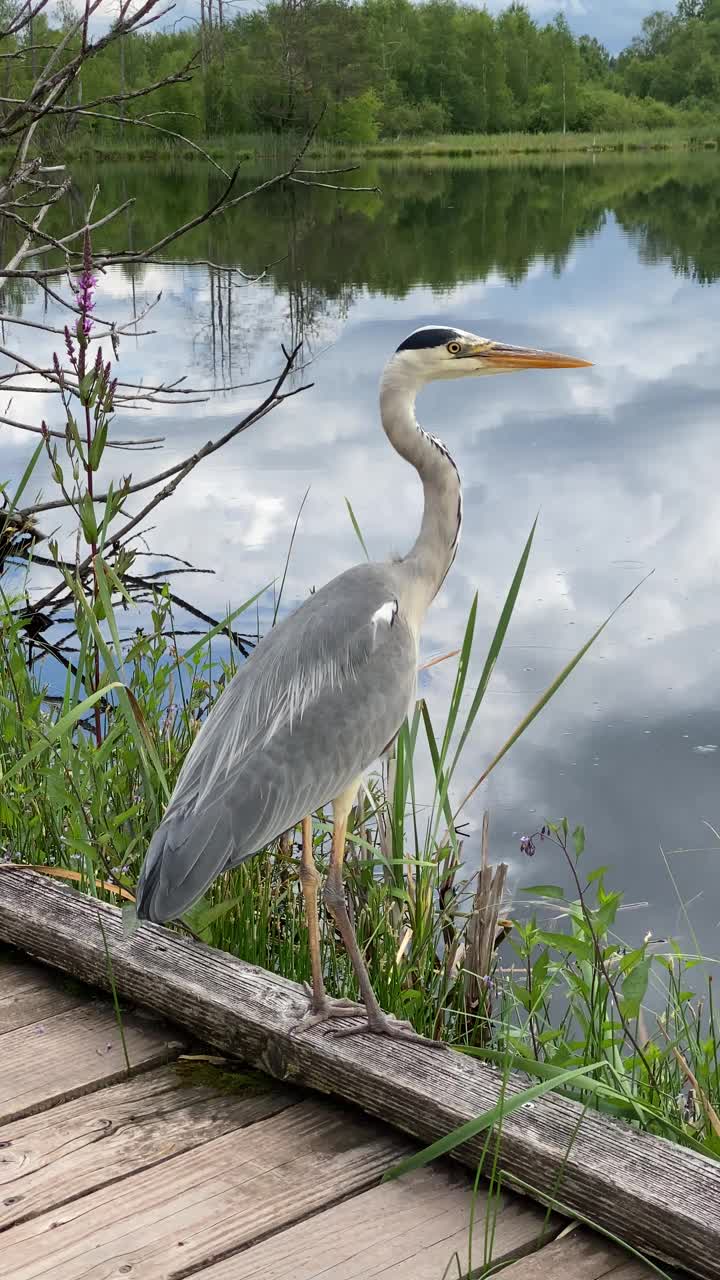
x=316, y=703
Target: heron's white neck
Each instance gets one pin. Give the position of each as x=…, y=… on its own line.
x=436, y=544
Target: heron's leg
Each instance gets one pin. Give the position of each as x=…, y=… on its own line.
x=321, y=1006
x=334, y=896
x=310, y=883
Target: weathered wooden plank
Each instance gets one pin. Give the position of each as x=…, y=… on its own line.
x=656, y=1196
x=74, y=1053
x=29, y=993
x=580, y=1256
x=415, y=1229
x=200, y=1206
x=73, y=1149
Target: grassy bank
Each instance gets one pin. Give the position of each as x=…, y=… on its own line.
x=513, y=144
x=271, y=146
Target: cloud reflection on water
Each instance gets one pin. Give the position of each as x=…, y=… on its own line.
x=622, y=462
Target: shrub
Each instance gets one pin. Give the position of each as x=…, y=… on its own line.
x=355, y=119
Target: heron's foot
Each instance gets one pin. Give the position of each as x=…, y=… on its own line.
x=325, y=1009
x=385, y=1024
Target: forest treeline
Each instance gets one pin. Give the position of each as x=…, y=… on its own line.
x=389, y=68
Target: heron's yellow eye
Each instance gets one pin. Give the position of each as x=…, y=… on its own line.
x=453, y=348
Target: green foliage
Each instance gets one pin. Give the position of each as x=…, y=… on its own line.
x=355, y=120
x=392, y=68
x=675, y=59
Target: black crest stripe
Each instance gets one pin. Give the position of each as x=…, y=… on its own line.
x=430, y=337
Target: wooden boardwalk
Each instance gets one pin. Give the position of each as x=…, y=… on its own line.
x=189, y=1167
x=211, y=1140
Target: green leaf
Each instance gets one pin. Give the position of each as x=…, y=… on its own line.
x=507, y=1105
x=578, y=836
x=605, y=914
x=85, y=387
x=496, y=643
x=543, y=701
x=634, y=987
x=87, y=518
x=8, y=511
x=204, y=915
x=288, y=556
x=565, y=942
x=97, y=446
x=544, y=891
x=441, y=791
x=104, y=594
x=357, y=528
x=58, y=730
x=196, y=649
x=539, y=974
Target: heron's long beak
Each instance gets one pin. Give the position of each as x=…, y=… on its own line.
x=505, y=359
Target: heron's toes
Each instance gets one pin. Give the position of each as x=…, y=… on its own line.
x=384, y=1024
x=328, y=1008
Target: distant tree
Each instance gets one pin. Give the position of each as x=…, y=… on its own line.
x=594, y=58
x=519, y=39
x=564, y=71
x=689, y=9
x=657, y=31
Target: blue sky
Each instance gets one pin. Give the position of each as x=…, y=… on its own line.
x=615, y=22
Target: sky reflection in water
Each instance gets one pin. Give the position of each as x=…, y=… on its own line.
x=622, y=460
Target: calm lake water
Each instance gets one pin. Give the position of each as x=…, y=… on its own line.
x=614, y=259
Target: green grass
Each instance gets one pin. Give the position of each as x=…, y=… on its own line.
x=269, y=146
x=512, y=144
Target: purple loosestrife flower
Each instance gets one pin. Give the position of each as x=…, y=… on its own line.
x=84, y=291
x=70, y=346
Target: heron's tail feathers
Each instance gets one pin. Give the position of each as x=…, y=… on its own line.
x=185, y=855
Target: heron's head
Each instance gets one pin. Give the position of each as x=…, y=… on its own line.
x=433, y=352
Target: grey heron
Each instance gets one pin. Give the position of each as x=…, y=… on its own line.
x=326, y=691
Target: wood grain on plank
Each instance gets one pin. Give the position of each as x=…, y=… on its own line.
x=580, y=1256
x=417, y=1228
x=73, y=1053
x=200, y=1206
x=30, y=993
x=659, y=1197
x=49, y=1159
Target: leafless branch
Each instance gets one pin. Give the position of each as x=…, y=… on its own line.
x=60, y=435
x=23, y=19
x=182, y=76
x=274, y=398
x=330, y=186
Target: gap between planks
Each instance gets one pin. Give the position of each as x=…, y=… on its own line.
x=60, y=1154
x=214, y=1201
x=30, y=994
x=51, y=1163
x=579, y=1255
x=73, y=1050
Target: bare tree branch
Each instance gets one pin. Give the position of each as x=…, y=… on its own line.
x=275, y=397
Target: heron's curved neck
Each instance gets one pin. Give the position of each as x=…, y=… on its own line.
x=436, y=544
